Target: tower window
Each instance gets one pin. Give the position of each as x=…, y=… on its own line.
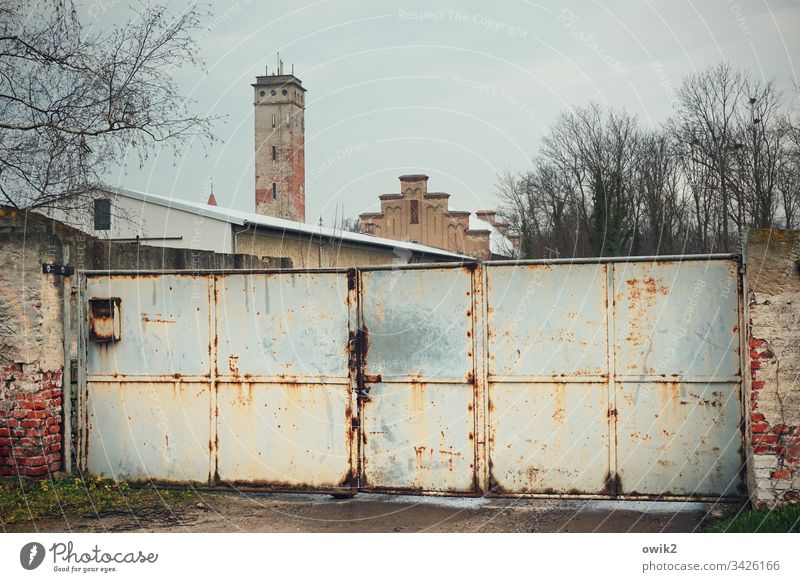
x=274, y=120
x=274, y=153
x=102, y=214
x=274, y=191
x=415, y=212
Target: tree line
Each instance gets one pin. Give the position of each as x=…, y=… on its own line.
x=602, y=184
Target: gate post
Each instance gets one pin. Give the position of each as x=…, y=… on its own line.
x=480, y=377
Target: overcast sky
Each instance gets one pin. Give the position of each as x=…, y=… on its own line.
x=456, y=90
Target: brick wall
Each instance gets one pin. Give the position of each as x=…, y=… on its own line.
x=30, y=420
x=773, y=312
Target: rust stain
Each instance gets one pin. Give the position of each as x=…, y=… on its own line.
x=157, y=319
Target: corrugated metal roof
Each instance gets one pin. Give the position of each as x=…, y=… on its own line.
x=242, y=218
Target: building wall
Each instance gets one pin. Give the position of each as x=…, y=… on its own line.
x=306, y=252
x=773, y=332
x=285, y=165
x=131, y=217
x=418, y=215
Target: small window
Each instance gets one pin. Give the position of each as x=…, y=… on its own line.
x=274, y=191
x=284, y=92
x=274, y=120
x=274, y=153
x=415, y=212
x=262, y=93
x=102, y=214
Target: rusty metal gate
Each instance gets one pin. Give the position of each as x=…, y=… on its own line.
x=611, y=378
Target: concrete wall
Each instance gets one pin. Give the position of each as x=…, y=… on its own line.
x=32, y=355
x=306, y=253
x=773, y=332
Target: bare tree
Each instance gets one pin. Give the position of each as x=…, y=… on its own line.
x=73, y=102
x=705, y=126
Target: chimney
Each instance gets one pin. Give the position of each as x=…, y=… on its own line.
x=212, y=201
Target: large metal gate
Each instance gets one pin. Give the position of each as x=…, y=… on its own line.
x=613, y=378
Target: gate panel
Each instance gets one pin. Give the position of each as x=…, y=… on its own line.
x=148, y=387
x=548, y=379
x=418, y=404
x=284, y=401
x=679, y=379
x=141, y=431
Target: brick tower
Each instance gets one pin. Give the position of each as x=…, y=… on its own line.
x=280, y=155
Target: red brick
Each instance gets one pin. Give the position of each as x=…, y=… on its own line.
x=757, y=384
x=757, y=427
x=793, y=451
x=5, y=442
x=38, y=414
x=31, y=461
x=26, y=442
x=30, y=423
x=781, y=474
x=54, y=429
x=18, y=414
x=781, y=429
x=12, y=423
x=37, y=471
x=6, y=471
x=779, y=450
x=756, y=343
x=761, y=449
x=52, y=420
x=757, y=417
x=765, y=439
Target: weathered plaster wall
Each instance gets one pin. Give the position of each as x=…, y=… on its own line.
x=773, y=311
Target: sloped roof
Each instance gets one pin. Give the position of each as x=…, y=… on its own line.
x=242, y=218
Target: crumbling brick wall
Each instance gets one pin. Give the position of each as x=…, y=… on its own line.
x=31, y=355
x=773, y=311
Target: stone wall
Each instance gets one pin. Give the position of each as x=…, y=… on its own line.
x=773, y=334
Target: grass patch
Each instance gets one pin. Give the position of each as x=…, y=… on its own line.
x=783, y=520
x=27, y=500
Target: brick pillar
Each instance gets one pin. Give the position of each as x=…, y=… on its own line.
x=773, y=333
x=30, y=420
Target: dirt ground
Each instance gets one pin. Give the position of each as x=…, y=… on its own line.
x=272, y=512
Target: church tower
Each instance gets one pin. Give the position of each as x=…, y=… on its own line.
x=280, y=149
